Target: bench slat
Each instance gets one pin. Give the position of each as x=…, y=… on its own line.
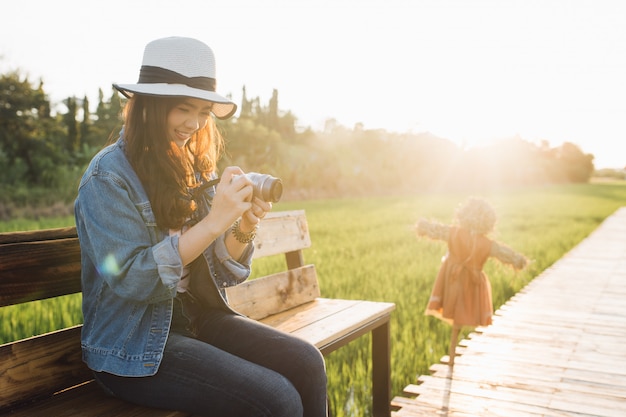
x=300, y=316
x=282, y=232
x=46, y=263
x=37, y=270
x=89, y=400
x=324, y=320
x=272, y=294
x=40, y=366
x=36, y=235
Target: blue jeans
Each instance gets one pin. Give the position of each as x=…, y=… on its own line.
x=221, y=364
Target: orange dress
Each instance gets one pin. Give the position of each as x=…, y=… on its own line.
x=462, y=293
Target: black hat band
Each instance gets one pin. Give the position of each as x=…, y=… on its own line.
x=156, y=75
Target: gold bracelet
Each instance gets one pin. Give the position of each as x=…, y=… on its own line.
x=243, y=237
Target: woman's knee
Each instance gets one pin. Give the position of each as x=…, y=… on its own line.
x=310, y=367
x=314, y=359
x=285, y=402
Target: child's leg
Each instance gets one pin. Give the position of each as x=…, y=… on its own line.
x=453, y=342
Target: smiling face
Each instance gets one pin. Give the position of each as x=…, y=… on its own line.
x=186, y=118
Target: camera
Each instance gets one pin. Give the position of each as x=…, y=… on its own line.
x=266, y=187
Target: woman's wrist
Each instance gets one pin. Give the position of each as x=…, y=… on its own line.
x=243, y=234
x=196, y=239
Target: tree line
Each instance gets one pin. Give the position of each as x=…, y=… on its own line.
x=43, y=152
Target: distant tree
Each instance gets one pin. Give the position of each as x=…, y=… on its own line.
x=107, y=121
x=26, y=150
x=576, y=165
x=69, y=119
x=86, y=122
x=272, y=122
x=287, y=127
x=102, y=112
x=246, y=105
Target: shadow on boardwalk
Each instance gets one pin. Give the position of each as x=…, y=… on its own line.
x=558, y=348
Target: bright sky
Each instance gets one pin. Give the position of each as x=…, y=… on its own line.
x=470, y=71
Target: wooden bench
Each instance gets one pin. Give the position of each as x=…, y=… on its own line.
x=45, y=376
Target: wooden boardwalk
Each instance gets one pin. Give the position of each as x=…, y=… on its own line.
x=558, y=348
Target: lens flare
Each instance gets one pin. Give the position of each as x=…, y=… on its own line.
x=109, y=265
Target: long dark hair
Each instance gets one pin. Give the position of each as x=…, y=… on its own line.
x=168, y=172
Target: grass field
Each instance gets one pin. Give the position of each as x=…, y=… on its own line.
x=366, y=249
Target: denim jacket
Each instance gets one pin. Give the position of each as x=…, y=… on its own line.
x=131, y=268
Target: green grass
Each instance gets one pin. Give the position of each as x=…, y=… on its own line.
x=366, y=249
x=42, y=223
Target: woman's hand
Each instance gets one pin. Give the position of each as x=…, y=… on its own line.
x=234, y=194
x=251, y=218
x=233, y=197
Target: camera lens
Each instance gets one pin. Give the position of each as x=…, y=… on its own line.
x=266, y=187
x=276, y=190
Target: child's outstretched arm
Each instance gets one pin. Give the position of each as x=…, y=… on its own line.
x=508, y=256
x=432, y=229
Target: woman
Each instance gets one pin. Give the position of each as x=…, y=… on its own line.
x=150, y=221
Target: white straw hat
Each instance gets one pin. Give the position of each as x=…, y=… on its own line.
x=183, y=67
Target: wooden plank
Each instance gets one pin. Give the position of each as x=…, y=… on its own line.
x=571, y=357
x=510, y=368
x=38, y=235
x=321, y=329
x=40, y=366
x=282, y=232
x=459, y=406
x=272, y=294
x=325, y=319
x=39, y=269
x=89, y=400
x=303, y=315
x=537, y=378
x=523, y=398
x=46, y=263
x=463, y=405
x=411, y=408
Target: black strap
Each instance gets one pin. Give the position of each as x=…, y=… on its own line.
x=154, y=75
